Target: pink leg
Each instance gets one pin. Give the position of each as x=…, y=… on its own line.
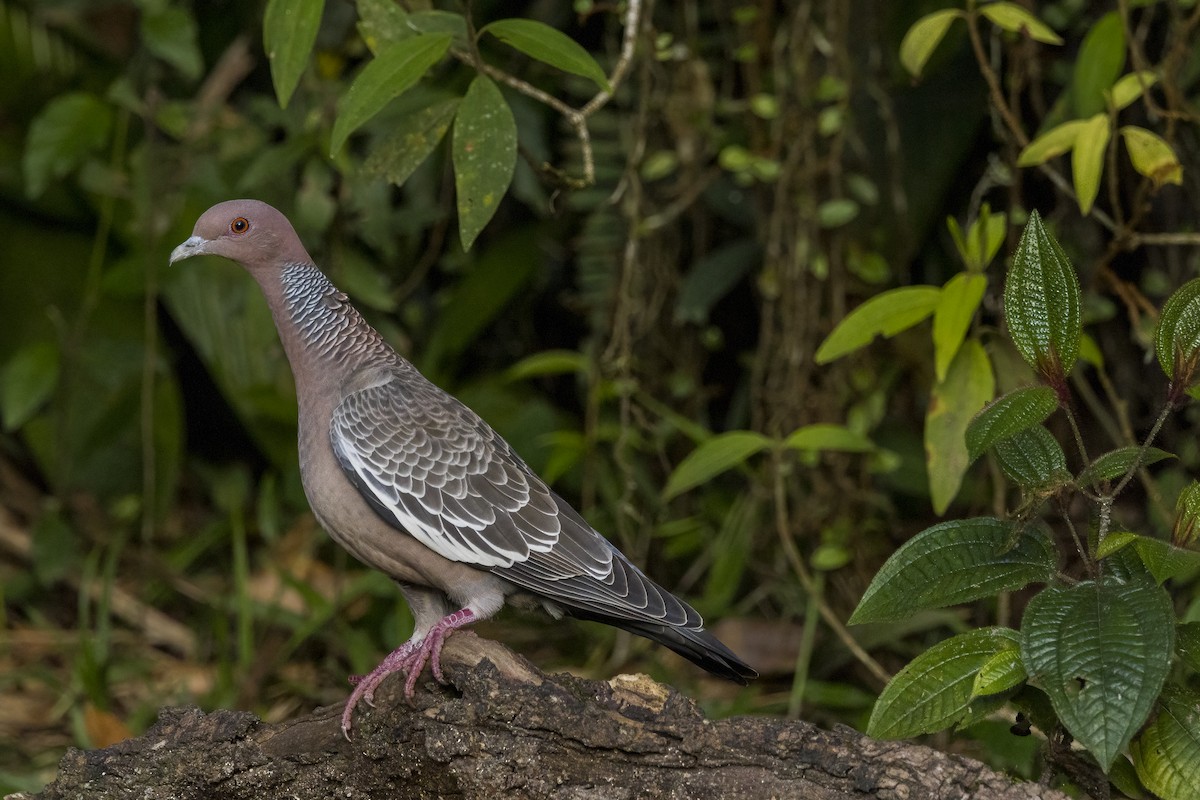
x=409, y=658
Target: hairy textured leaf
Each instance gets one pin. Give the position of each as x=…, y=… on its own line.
x=550, y=46
x=720, y=453
x=1167, y=753
x=289, y=32
x=1152, y=156
x=1012, y=17
x=955, y=562
x=884, y=314
x=969, y=383
x=1001, y=672
x=1116, y=463
x=823, y=436
x=1177, y=339
x=1161, y=559
x=1012, y=413
x=1087, y=159
x=485, y=155
x=1033, y=459
x=411, y=140
x=1042, y=304
x=64, y=133
x=394, y=71
x=956, y=307
x=1101, y=652
x=934, y=690
x=1098, y=64
x=923, y=38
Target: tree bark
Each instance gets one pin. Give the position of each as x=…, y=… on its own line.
x=505, y=730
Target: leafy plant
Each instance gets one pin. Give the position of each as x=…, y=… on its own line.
x=1097, y=641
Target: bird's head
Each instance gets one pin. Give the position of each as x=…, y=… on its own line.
x=249, y=232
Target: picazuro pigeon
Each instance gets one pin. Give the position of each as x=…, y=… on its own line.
x=415, y=484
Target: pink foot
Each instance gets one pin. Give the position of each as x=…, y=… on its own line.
x=409, y=658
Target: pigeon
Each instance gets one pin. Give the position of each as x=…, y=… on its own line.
x=416, y=485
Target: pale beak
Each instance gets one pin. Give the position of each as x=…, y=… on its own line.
x=193, y=246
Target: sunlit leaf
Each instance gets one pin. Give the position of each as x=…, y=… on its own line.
x=1010, y=414
x=1130, y=87
x=550, y=46
x=885, y=314
x=1098, y=64
x=1101, y=652
x=1012, y=17
x=1152, y=156
x=720, y=453
x=1053, y=142
x=289, y=32
x=822, y=436
x=956, y=308
x=485, y=155
x=1001, y=672
x=1166, y=754
x=1087, y=159
x=969, y=383
x=923, y=38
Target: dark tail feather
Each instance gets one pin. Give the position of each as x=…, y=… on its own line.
x=698, y=646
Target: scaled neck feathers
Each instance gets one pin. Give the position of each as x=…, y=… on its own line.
x=324, y=323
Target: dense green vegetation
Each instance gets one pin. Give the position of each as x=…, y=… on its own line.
x=669, y=298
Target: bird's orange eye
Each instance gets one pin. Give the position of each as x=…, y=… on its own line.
x=240, y=225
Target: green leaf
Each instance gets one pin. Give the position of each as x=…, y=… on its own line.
x=435, y=21
x=1053, y=142
x=1099, y=62
x=485, y=155
x=550, y=46
x=885, y=314
x=289, y=32
x=982, y=241
x=28, y=381
x=1041, y=303
x=170, y=34
x=1187, y=515
x=720, y=453
x=1014, y=18
x=1152, y=156
x=383, y=22
x=969, y=383
x=1101, y=652
x=1116, y=463
x=394, y=71
x=64, y=133
x=934, y=690
x=1130, y=87
x=1001, y=672
x=56, y=550
x=713, y=276
x=823, y=436
x=1167, y=753
x=1009, y=415
x=956, y=307
x=1177, y=338
x=411, y=140
x=1161, y=559
x=836, y=213
x=548, y=362
x=1033, y=459
x=955, y=562
x=1188, y=644
x=923, y=38
x=1087, y=159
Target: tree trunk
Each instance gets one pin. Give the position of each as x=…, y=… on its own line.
x=505, y=730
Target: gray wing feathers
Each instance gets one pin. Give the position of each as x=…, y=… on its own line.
x=433, y=468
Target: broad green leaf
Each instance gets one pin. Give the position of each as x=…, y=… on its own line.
x=1098, y=64
x=382, y=22
x=982, y=240
x=1152, y=156
x=1001, y=672
x=26, y=383
x=65, y=132
x=955, y=562
x=823, y=436
x=550, y=46
x=1033, y=459
x=1089, y=352
x=969, y=383
x=485, y=155
x=720, y=453
x=434, y=21
x=934, y=690
x=411, y=140
x=289, y=32
x=1177, y=338
x=1187, y=515
x=394, y=71
x=1166, y=754
x=1042, y=305
x=956, y=307
x=1012, y=17
x=1009, y=415
x=1087, y=159
x=1116, y=463
x=1160, y=558
x=1101, y=652
x=884, y=314
x=1053, y=142
x=1188, y=644
x=548, y=362
x=170, y=33
x=1130, y=87
x=923, y=38
x=836, y=213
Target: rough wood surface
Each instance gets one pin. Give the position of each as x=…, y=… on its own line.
x=505, y=730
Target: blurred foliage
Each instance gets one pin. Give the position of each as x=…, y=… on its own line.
x=759, y=172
